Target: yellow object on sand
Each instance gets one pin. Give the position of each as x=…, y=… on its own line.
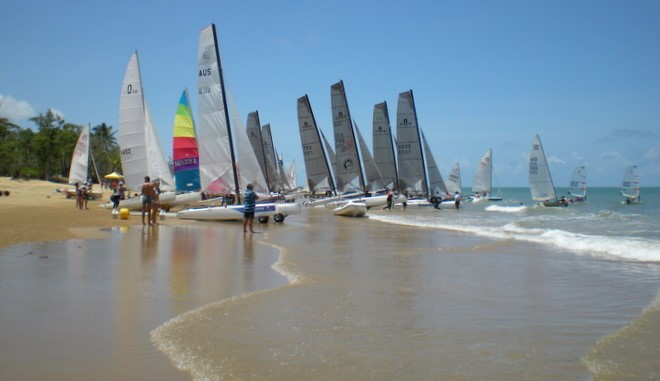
x=123, y=213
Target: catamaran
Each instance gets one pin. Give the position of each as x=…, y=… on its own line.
x=141, y=153
x=482, y=185
x=383, y=145
x=79, y=170
x=630, y=186
x=577, y=188
x=540, y=181
x=217, y=160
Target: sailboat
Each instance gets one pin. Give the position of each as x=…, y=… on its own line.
x=577, y=188
x=185, y=152
x=317, y=162
x=540, y=181
x=482, y=185
x=630, y=186
x=218, y=168
x=384, y=146
x=79, y=170
x=141, y=154
x=412, y=173
x=349, y=175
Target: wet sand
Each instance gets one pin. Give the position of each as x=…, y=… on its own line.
x=347, y=299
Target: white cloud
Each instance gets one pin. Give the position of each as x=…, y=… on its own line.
x=57, y=113
x=13, y=109
x=612, y=155
x=652, y=154
x=555, y=159
x=577, y=157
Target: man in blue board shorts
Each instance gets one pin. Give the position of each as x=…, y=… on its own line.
x=250, y=199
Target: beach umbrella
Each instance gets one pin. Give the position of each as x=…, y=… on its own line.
x=114, y=176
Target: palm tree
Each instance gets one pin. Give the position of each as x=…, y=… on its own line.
x=105, y=148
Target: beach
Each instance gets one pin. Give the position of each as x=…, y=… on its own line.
x=317, y=297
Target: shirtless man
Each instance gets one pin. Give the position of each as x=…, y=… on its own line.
x=147, y=194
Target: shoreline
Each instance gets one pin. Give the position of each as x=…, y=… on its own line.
x=35, y=212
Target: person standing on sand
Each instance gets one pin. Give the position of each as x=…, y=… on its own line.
x=147, y=194
x=390, y=199
x=155, y=204
x=250, y=199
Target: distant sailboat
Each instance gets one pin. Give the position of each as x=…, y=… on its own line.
x=253, y=130
x=482, y=185
x=577, y=189
x=383, y=144
x=79, y=169
x=437, y=185
x=412, y=172
x=454, y=181
x=349, y=176
x=630, y=186
x=540, y=181
x=374, y=179
x=317, y=163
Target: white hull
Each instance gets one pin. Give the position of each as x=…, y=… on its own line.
x=351, y=209
x=71, y=193
x=135, y=203
x=235, y=212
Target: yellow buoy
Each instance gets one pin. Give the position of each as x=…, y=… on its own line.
x=123, y=213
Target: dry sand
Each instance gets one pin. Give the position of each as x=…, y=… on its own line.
x=34, y=211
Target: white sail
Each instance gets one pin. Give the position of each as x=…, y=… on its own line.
x=291, y=173
x=540, y=181
x=374, y=179
x=80, y=160
x=436, y=184
x=454, y=182
x=213, y=135
x=630, y=183
x=253, y=130
x=483, y=177
x=384, y=146
x=157, y=164
x=349, y=169
x=412, y=174
x=247, y=164
x=317, y=166
x=132, y=126
x=578, y=185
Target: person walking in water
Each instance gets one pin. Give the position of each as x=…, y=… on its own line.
x=250, y=199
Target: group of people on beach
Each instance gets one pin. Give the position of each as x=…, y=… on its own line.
x=82, y=194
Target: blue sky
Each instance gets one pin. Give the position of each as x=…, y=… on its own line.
x=585, y=75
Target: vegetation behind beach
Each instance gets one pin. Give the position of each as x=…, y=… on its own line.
x=45, y=152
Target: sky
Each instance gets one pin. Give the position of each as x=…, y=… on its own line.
x=584, y=75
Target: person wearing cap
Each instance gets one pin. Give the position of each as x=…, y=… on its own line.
x=117, y=195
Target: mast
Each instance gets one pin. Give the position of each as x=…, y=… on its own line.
x=224, y=103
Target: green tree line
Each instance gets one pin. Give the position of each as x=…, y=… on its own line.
x=46, y=152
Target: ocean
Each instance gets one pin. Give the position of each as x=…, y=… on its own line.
x=497, y=291
x=491, y=291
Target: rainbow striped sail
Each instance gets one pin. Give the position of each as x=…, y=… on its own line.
x=184, y=146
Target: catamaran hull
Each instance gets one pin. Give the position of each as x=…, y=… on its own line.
x=71, y=193
x=351, y=209
x=135, y=203
x=235, y=212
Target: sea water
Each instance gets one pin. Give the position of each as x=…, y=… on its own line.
x=496, y=291
x=603, y=226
